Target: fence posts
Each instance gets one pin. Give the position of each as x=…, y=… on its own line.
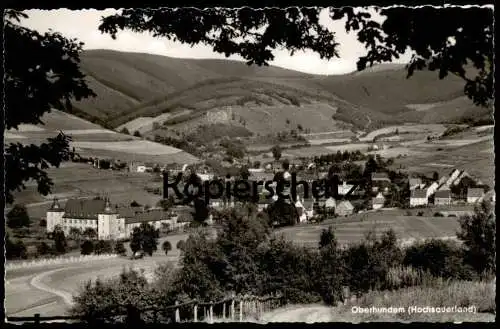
x=232, y=309
x=37, y=318
x=241, y=310
x=224, y=310
x=211, y=312
x=177, y=313
x=195, y=311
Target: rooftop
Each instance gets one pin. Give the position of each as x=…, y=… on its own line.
x=475, y=192
x=443, y=194
x=418, y=193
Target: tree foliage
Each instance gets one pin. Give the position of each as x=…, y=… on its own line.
x=276, y=150
x=478, y=233
x=166, y=246
x=450, y=41
x=18, y=217
x=33, y=86
x=144, y=238
x=60, y=240
x=87, y=247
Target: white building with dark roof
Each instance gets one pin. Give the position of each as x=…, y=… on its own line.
x=474, y=195
x=442, y=197
x=418, y=197
x=108, y=222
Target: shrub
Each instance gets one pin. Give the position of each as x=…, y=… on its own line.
x=87, y=248
x=120, y=248
x=18, y=217
x=43, y=249
x=420, y=213
x=440, y=258
x=181, y=244
x=166, y=246
x=103, y=247
x=438, y=214
x=478, y=233
x=42, y=223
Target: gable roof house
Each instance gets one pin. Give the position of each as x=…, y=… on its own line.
x=442, y=197
x=453, y=176
x=380, y=180
x=344, y=208
x=378, y=201
x=474, y=194
x=415, y=183
x=345, y=189
x=463, y=174
x=380, y=177
x=431, y=189
x=418, y=197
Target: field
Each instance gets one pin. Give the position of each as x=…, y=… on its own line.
x=92, y=140
x=429, y=129
x=354, y=228
x=82, y=180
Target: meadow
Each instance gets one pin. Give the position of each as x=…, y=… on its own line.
x=353, y=229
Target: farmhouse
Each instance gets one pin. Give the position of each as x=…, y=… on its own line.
x=432, y=189
x=442, y=197
x=345, y=189
x=378, y=201
x=474, y=195
x=344, y=208
x=415, y=183
x=302, y=211
x=418, y=197
x=98, y=214
x=380, y=181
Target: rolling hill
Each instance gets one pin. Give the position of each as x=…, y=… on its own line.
x=141, y=87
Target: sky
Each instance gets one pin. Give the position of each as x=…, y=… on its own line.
x=83, y=25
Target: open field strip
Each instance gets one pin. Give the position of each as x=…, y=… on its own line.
x=137, y=146
x=405, y=227
x=9, y=135
x=328, y=140
x=348, y=147
x=88, y=131
x=419, y=128
x=482, y=128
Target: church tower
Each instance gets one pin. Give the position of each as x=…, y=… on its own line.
x=110, y=226
x=54, y=215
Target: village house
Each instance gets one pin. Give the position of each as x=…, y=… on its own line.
x=415, y=183
x=378, y=201
x=380, y=181
x=474, y=195
x=451, y=178
x=98, y=214
x=330, y=205
x=302, y=212
x=442, y=197
x=344, y=208
x=418, y=197
x=345, y=189
x=432, y=189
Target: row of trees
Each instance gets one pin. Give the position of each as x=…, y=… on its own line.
x=245, y=258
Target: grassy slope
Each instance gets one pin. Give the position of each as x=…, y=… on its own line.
x=131, y=85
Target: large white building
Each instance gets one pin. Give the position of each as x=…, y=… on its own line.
x=107, y=221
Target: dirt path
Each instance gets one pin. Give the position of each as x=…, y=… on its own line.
x=37, y=282
x=307, y=314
